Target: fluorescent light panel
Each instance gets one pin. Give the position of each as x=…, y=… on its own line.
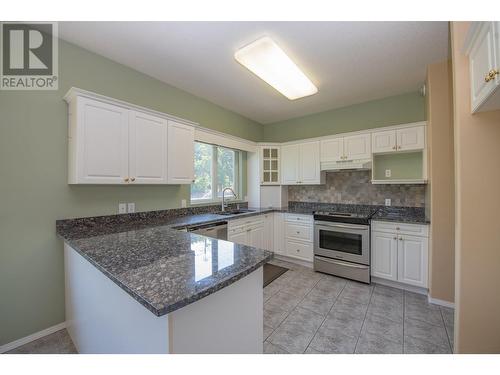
x=268, y=61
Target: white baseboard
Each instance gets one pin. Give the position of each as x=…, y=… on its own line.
x=441, y=302
x=300, y=262
x=35, y=336
x=395, y=284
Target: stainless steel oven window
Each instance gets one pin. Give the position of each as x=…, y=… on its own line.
x=350, y=242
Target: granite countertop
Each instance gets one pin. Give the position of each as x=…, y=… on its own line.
x=411, y=215
x=164, y=268
x=160, y=266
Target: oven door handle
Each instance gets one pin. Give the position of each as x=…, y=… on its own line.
x=348, y=264
x=344, y=226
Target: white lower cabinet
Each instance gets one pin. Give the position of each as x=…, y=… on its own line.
x=268, y=235
x=412, y=260
x=299, y=249
x=279, y=233
x=384, y=256
x=398, y=254
x=298, y=233
x=252, y=231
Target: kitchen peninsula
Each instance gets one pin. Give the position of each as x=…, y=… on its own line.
x=138, y=285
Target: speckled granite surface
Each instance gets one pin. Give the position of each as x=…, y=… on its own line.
x=161, y=267
x=415, y=215
x=412, y=215
x=164, y=268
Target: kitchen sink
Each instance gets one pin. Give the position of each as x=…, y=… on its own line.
x=235, y=212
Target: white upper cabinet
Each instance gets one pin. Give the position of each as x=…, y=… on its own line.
x=148, y=149
x=346, y=148
x=483, y=48
x=411, y=138
x=384, y=141
x=98, y=143
x=332, y=149
x=309, y=166
x=180, y=153
x=357, y=147
x=405, y=139
x=270, y=165
x=300, y=164
x=111, y=143
x=289, y=164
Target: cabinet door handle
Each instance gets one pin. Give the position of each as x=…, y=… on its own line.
x=401, y=238
x=394, y=147
x=395, y=238
x=491, y=75
x=125, y=179
x=132, y=179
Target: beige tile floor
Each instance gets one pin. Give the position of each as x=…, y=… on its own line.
x=309, y=312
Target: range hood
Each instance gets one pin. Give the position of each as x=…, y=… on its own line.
x=359, y=164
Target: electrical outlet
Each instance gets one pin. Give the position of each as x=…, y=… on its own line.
x=387, y=173
x=122, y=208
x=131, y=208
x=387, y=201
x=183, y=203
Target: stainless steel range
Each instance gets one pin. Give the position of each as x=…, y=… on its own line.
x=342, y=244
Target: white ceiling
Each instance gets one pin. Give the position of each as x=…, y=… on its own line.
x=349, y=62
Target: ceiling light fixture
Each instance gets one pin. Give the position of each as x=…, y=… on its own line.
x=270, y=63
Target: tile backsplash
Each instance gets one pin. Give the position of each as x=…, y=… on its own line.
x=355, y=187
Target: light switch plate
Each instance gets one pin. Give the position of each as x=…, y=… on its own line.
x=387, y=173
x=183, y=203
x=387, y=201
x=122, y=208
x=131, y=208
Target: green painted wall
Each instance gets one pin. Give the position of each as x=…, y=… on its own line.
x=393, y=110
x=33, y=188
x=402, y=166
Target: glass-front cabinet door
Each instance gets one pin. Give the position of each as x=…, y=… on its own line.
x=270, y=165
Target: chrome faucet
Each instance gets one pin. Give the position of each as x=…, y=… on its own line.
x=223, y=208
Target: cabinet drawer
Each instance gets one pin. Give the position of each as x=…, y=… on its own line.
x=298, y=231
x=244, y=222
x=401, y=228
x=299, y=249
x=298, y=218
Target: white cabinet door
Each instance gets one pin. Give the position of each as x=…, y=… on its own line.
x=309, y=168
x=290, y=164
x=279, y=235
x=332, y=149
x=180, y=153
x=384, y=256
x=358, y=147
x=270, y=165
x=412, y=260
x=102, y=148
x=299, y=249
x=256, y=236
x=239, y=237
x=148, y=149
x=384, y=141
x=411, y=138
x=268, y=242
x=483, y=59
